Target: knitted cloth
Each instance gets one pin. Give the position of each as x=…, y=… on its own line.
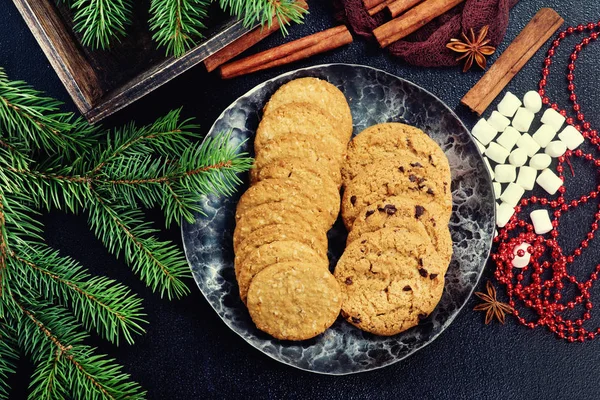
x=427, y=46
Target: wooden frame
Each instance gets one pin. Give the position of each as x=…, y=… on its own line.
x=81, y=79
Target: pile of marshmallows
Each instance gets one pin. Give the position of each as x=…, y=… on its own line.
x=519, y=148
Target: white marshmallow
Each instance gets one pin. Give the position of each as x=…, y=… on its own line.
x=556, y=148
x=480, y=146
x=489, y=167
x=497, y=190
x=503, y=214
x=505, y=173
x=508, y=139
x=526, y=178
x=553, y=118
x=532, y=101
x=512, y=194
x=497, y=153
x=521, y=261
x=527, y=143
x=523, y=119
x=484, y=132
x=549, y=181
x=544, y=135
x=498, y=121
x=495, y=232
x=518, y=157
x=541, y=221
x=540, y=161
x=509, y=105
x=571, y=137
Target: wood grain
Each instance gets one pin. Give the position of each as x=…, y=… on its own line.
x=541, y=27
x=89, y=76
x=61, y=49
x=164, y=72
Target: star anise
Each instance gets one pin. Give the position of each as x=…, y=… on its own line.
x=475, y=48
x=492, y=306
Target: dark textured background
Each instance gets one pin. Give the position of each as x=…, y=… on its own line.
x=189, y=353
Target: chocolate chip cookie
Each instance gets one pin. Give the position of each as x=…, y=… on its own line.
x=403, y=177
x=390, y=279
x=402, y=212
x=392, y=141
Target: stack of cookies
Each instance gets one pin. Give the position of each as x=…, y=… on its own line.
x=280, y=240
x=396, y=206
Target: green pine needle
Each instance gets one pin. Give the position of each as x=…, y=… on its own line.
x=49, y=302
x=8, y=357
x=263, y=11
x=101, y=22
x=177, y=24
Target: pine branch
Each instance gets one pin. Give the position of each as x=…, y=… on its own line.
x=101, y=304
x=160, y=164
x=101, y=21
x=8, y=356
x=262, y=11
x=28, y=120
x=177, y=24
x=123, y=231
x=54, y=340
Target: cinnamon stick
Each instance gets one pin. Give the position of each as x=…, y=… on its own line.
x=372, y=3
x=293, y=51
x=397, y=7
x=541, y=27
x=245, y=42
x=379, y=7
x=412, y=20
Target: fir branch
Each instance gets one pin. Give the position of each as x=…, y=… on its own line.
x=177, y=24
x=155, y=165
x=54, y=340
x=101, y=21
x=123, y=231
x=262, y=11
x=101, y=304
x=8, y=356
x=28, y=119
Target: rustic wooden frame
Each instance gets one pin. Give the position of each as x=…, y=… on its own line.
x=78, y=76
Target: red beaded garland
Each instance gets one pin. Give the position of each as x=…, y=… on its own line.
x=542, y=285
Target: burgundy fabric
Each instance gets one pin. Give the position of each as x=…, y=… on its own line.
x=427, y=46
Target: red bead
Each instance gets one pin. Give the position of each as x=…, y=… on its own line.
x=586, y=41
x=547, y=62
x=545, y=100
x=573, y=97
x=577, y=252
x=590, y=26
x=578, y=48
x=587, y=126
x=576, y=107
x=551, y=52
x=590, y=235
x=595, y=226
x=545, y=72
x=594, y=36
x=570, y=77
x=571, y=87
x=581, y=117
x=541, y=92
x=571, y=67
x=580, y=27
x=563, y=113
x=570, y=121
x=570, y=30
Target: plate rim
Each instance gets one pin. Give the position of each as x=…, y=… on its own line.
x=451, y=319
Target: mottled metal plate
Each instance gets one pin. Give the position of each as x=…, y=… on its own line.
x=374, y=96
